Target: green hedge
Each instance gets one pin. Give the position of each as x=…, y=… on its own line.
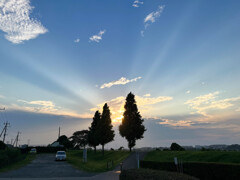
x=10, y=156
x=204, y=171
x=148, y=174
x=48, y=149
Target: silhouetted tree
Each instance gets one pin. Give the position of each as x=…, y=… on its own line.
x=176, y=147
x=63, y=140
x=80, y=139
x=132, y=127
x=93, y=138
x=104, y=127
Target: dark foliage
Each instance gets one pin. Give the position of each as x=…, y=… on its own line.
x=2, y=145
x=79, y=139
x=93, y=139
x=203, y=171
x=9, y=156
x=148, y=174
x=176, y=147
x=48, y=149
x=63, y=140
x=132, y=127
x=104, y=127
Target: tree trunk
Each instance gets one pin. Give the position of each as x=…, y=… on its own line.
x=103, y=149
x=130, y=148
x=95, y=150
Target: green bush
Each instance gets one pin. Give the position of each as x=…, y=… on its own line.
x=203, y=171
x=10, y=156
x=145, y=174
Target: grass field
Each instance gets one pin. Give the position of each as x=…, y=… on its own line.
x=194, y=156
x=96, y=162
x=26, y=160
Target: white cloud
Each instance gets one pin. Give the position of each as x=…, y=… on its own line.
x=136, y=3
x=147, y=95
x=1, y=96
x=40, y=106
x=181, y=123
x=97, y=37
x=207, y=102
x=188, y=92
x=15, y=21
x=151, y=17
x=46, y=107
x=121, y=81
x=77, y=40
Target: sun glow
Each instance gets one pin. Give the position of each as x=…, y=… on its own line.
x=117, y=119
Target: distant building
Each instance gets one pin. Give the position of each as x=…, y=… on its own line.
x=56, y=144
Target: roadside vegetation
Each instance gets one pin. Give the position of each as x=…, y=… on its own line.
x=194, y=156
x=11, y=159
x=95, y=161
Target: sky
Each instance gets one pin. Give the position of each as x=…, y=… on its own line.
x=60, y=61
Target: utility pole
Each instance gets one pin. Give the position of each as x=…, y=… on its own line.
x=59, y=132
x=17, y=139
x=6, y=125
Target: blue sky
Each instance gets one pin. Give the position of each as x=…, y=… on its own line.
x=61, y=61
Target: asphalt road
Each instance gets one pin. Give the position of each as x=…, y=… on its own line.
x=45, y=166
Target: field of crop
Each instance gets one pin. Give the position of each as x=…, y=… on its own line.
x=194, y=156
x=96, y=162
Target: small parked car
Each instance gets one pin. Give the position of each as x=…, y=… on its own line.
x=61, y=156
x=33, y=151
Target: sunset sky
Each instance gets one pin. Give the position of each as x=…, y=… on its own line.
x=60, y=61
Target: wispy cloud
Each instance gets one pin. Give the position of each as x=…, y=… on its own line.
x=97, y=37
x=144, y=104
x=188, y=92
x=147, y=95
x=15, y=21
x=181, y=123
x=121, y=81
x=45, y=107
x=77, y=40
x=137, y=3
x=40, y=106
x=209, y=102
x=152, y=17
x=1, y=96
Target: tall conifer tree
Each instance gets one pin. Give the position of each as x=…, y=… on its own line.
x=132, y=127
x=93, y=138
x=105, y=132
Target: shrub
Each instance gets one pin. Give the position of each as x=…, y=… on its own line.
x=2, y=145
x=10, y=156
x=145, y=174
x=204, y=171
x=176, y=147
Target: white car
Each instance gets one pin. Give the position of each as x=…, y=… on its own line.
x=61, y=156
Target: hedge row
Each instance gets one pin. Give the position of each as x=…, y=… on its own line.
x=48, y=149
x=148, y=174
x=203, y=171
x=10, y=156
